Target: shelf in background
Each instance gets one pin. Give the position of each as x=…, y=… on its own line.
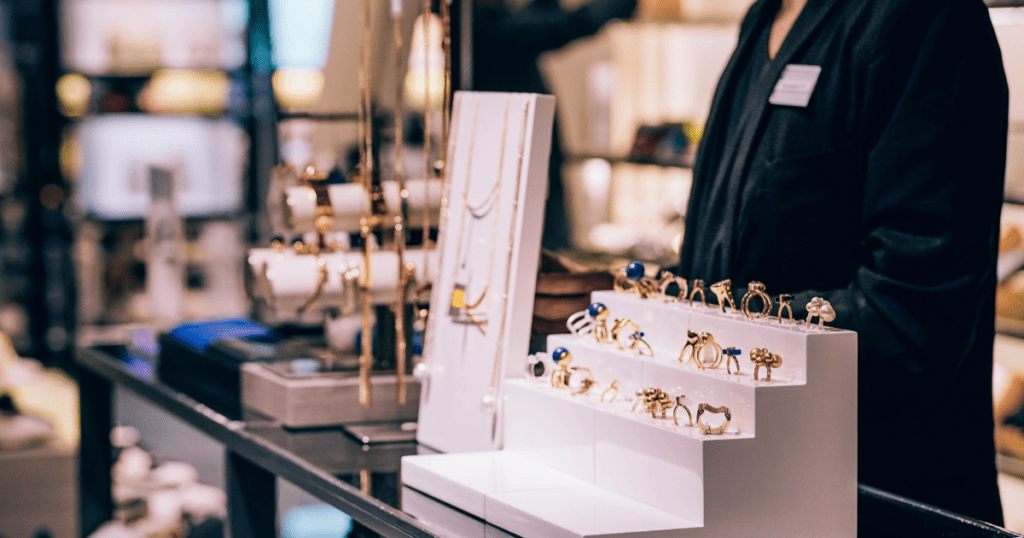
x=613, y=159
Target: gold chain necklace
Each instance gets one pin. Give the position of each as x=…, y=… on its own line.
x=460, y=308
x=490, y=400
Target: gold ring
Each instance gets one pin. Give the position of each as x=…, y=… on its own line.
x=732, y=355
x=638, y=340
x=707, y=429
x=631, y=279
x=762, y=357
x=639, y=397
x=654, y=400
x=691, y=342
x=617, y=328
x=756, y=289
x=667, y=279
x=321, y=265
x=560, y=377
x=614, y=389
x=698, y=287
x=784, y=301
x=822, y=309
x=599, y=313
x=723, y=291
x=706, y=339
x=675, y=412
x=584, y=385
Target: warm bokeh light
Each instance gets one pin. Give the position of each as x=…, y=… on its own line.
x=182, y=91
x=297, y=88
x=426, y=64
x=73, y=93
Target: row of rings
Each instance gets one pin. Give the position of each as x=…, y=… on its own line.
x=658, y=401
x=655, y=400
x=631, y=279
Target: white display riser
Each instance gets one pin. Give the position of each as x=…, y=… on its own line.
x=787, y=468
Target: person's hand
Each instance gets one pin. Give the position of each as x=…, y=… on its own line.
x=563, y=288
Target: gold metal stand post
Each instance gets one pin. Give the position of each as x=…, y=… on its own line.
x=403, y=272
x=372, y=219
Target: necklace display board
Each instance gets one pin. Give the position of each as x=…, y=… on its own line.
x=492, y=212
x=575, y=465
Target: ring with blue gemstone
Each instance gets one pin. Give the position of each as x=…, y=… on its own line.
x=560, y=377
x=639, y=344
x=635, y=271
x=598, y=311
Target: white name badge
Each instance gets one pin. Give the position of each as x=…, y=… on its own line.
x=795, y=86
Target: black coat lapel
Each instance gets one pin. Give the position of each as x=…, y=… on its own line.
x=727, y=80
x=810, y=19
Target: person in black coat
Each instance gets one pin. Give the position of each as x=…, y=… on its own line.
x=507, y=44
x=880, y=193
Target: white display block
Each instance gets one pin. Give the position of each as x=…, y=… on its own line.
x=786, y=466
x=497, y=165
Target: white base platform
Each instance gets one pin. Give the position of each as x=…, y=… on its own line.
x=514, y=494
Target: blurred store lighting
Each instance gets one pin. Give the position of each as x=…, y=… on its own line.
x=73, y=92
x=300, y=35
x=183, y=91
x=426, y=64
x=297, y=88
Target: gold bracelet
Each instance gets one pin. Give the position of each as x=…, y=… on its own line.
x=719, y=430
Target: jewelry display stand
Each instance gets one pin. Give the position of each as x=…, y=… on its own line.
x=288, y=281
x=574, y=466
x=492, y=212
x=350, y=203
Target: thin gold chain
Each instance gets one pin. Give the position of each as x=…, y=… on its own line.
x=469, y=172
x=497, y=210
x=492, y=387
